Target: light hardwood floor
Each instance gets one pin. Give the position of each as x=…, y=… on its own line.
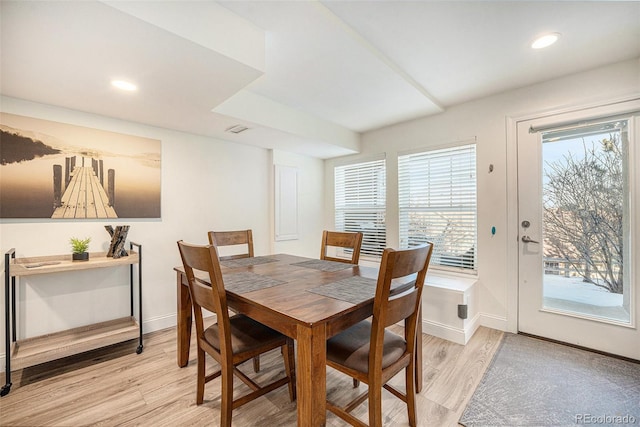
x=116, y=387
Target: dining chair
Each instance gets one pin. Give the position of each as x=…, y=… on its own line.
x=232, y=238
x=370, y=353
x=231, y=340
x=341, y=239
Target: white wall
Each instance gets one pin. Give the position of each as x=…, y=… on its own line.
x=206, y=184
x=310, y=204
x=486, y=120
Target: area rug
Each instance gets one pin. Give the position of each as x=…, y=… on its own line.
x=532, y=382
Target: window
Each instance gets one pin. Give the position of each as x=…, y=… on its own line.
x=586, y=218
x=437, y=203
x=360, y=198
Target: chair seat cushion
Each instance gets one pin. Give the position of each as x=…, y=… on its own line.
x=350, y=348
x=246, y=335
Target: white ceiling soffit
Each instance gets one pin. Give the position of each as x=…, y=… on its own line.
x=273, y=138
x=66, y=53
x=205, y=23
x=317, y=64
x=186, y=57
x=265, y=112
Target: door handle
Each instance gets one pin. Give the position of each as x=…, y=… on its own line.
x=527, y=239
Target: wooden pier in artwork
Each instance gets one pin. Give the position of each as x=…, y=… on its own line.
x=84, y=194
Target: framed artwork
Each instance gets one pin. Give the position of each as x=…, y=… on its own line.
x=62, y=171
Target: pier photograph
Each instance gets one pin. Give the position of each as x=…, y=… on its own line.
x=57, y=170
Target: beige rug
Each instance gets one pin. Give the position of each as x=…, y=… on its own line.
x=532, y=382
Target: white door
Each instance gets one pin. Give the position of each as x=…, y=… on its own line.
x=578, y=208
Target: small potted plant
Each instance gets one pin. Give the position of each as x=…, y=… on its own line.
x=79, y=248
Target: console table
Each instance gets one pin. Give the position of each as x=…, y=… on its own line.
x=35, y=350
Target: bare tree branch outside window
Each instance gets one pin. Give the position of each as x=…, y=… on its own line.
x=583, y=212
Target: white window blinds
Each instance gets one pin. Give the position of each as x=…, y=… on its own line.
x=360, y=198
x=437, y=203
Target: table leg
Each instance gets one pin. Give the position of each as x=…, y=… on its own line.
x=311, y=374
x=184, y=321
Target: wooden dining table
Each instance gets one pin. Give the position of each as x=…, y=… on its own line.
x=306, y=299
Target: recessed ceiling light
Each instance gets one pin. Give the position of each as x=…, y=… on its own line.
x=121, y=84
x=545, y=40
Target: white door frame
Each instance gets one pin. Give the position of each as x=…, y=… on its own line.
x=513, y=230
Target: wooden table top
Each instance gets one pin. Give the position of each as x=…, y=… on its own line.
x=292, y=299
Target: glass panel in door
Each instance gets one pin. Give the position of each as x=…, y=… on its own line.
x=585, y=220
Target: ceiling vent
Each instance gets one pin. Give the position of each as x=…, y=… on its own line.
x=237, y=129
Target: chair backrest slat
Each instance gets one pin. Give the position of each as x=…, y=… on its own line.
x=202, y=295
x=233, y=238
x=401, y=307
x=406, y=265
x=341, y=239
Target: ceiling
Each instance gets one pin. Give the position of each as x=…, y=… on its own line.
x=304, y=76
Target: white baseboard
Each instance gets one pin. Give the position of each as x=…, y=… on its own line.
x=445, y=332
x=451, y=333
x=493, y=322
x=159, y=323
x=472, y=327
